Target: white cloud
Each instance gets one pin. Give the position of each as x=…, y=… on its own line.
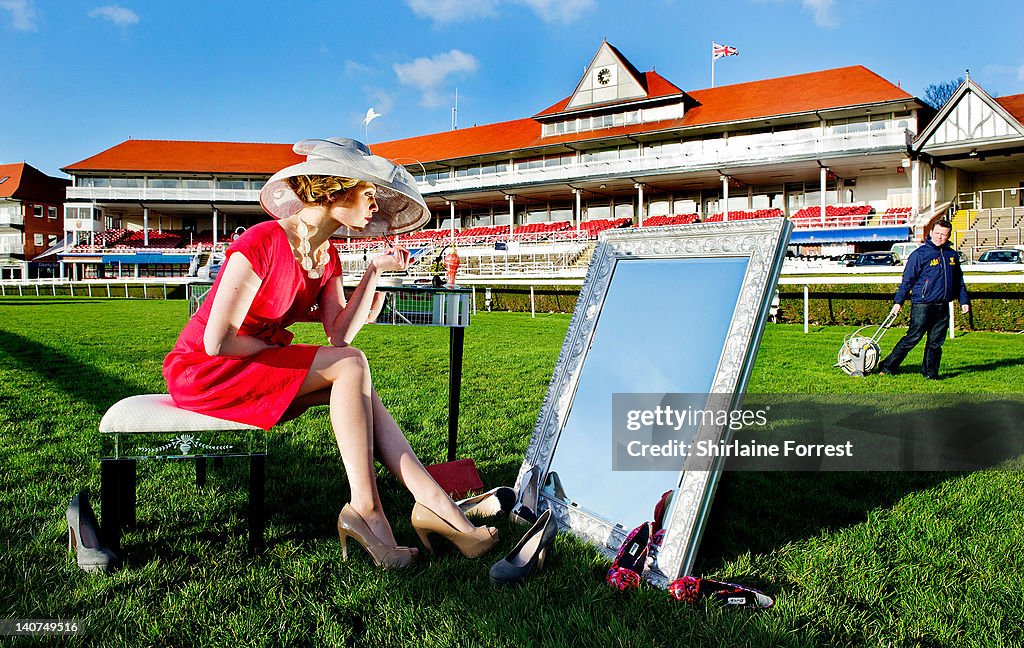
x=23, y=14
x=429, y=74
x=381, y=100
x=449, y=11
x=1000, y=69
x=564, y=11
x=824, y=12
x=116, y=14
x=445, y=11
x=353, y=68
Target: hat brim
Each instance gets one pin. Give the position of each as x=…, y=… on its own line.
x=401, y=208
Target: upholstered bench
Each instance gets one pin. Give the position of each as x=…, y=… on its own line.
x=151, y=426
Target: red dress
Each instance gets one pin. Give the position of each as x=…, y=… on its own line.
x=258, y=389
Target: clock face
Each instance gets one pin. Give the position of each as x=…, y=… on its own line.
x=604, y=77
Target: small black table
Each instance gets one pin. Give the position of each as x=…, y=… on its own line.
x=431, y=306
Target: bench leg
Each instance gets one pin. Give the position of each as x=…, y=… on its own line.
x=257, y=464
x=110, y=507
x=127, y=491
x=200, y=472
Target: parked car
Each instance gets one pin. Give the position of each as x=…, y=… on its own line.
x=212, y=267
x=1001, y=256
x=875, y=259
x=846, y=259
x=903, y=250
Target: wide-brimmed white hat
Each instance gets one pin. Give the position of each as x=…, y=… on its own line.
x=401, y=208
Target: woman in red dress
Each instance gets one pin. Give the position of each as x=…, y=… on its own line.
x=234, y=359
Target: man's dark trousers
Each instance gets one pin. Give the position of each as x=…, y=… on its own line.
x=932, y=319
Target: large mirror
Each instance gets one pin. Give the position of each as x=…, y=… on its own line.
x=670, y=315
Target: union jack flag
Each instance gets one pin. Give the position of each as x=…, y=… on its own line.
x=718, y=51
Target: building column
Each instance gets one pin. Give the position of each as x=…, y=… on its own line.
x=639, y=204
x=451, y=219
x=511, y=214
x=145, y=226
x=915, y=189
x=578, y=214
x=214, y=227
x=725, y=197
x=931, y=193
x=821, y=174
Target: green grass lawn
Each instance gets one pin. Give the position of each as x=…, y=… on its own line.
x=892, y=559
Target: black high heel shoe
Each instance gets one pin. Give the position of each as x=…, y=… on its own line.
x=529, y=494
x=84, y=537
x=496, y=501
x=530, y=553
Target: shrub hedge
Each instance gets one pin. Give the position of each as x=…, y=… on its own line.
x=995, y=307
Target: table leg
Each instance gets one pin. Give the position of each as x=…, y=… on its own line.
x=455, y=345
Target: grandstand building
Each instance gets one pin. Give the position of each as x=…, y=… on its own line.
x=837, y=151
x=31, y=218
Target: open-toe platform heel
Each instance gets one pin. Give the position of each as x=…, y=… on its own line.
x=352, y=525
x=472, y=544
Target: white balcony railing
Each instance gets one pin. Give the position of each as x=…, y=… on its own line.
x=694, y=155
x=7, y=249
x=7, y=219
x=176, y=195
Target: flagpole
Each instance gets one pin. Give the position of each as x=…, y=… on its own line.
x=712, y=64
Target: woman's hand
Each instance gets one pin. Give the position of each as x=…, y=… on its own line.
x=394, y=259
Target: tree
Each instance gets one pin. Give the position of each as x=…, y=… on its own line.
x=938, y=94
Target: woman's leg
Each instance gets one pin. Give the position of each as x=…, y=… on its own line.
x=397, y=455
x=345, y=374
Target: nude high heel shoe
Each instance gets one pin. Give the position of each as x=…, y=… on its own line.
x=472, y=545
x=352, y=525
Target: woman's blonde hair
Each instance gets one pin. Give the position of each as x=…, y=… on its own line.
x=320, y=190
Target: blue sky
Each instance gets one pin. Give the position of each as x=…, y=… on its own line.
x=81, y=76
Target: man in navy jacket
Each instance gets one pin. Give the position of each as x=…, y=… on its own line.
x=933, y=278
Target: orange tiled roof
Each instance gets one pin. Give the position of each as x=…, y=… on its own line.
x=656, y=86
x=1014, y=104
x=24, y=181
x=13, y=173
x=801, y=93
x=206, y=157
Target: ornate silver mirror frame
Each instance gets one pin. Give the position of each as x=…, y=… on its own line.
x=761, y=243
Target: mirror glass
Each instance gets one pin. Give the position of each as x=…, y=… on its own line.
x=662, y=329
x=664, y=313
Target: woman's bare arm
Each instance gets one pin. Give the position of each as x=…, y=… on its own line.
x=342, y=320
x=234, y=297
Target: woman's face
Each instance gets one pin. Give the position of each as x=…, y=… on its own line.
x=355, y=207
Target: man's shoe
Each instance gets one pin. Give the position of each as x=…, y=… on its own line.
x=884, y=372
x=932, y=378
